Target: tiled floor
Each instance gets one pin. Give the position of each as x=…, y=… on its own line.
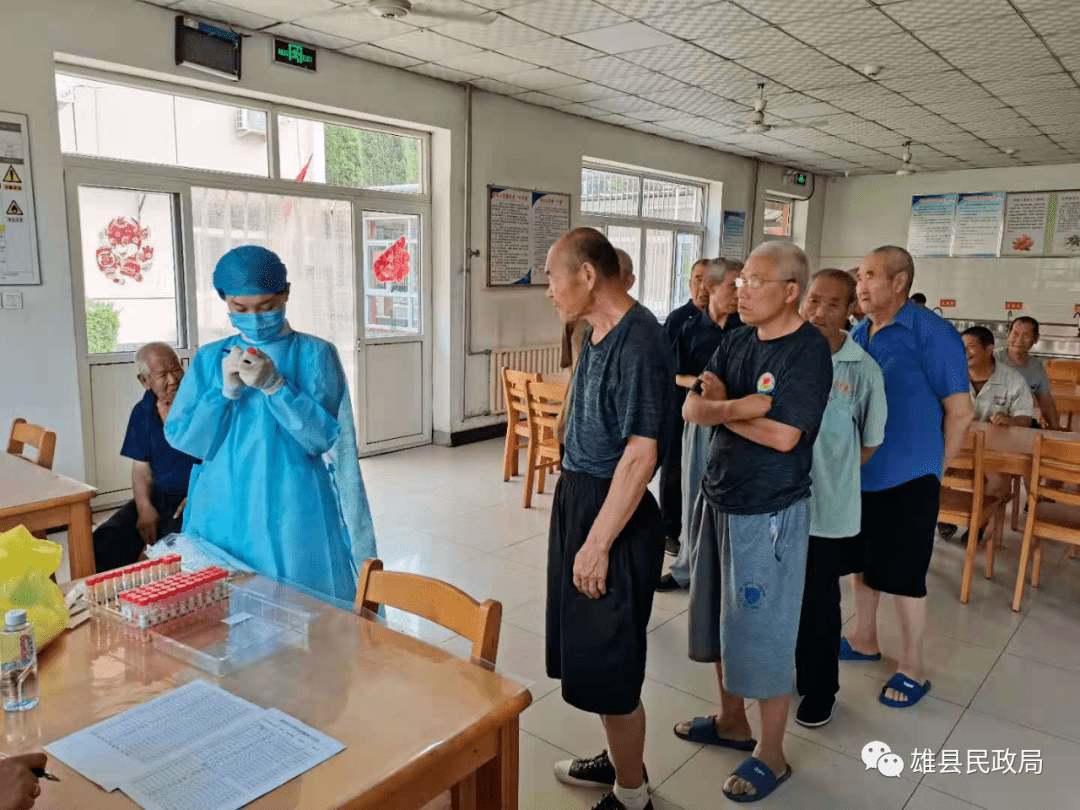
x=1000, y=680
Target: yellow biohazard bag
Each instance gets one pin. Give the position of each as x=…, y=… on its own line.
x=26, y=563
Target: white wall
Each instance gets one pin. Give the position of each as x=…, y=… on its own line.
x=514, y=144
x=862, y=213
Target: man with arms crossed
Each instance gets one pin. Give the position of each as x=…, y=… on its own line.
x=852, y=428
x=926, y=385
x=606, y=543
x=765, y=389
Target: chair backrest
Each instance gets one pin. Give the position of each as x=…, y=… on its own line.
x=514, y=390
x=965, y=471
x=545, y=404
x=1063, y=372
x=43, y=441
x=1053, y=461
x=435, y=601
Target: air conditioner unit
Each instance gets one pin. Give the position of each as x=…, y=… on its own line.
x=250, y=122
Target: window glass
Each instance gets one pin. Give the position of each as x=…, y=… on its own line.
x=609, y=193
x=657, y=283
x=391, y=274
x=106, y=120
x=687, y=251
x=661, y=199
x=129, y=268
x=628, y=239
x=777, y=217
x=317, y=152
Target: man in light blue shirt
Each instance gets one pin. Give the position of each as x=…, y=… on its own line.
x=851, y=429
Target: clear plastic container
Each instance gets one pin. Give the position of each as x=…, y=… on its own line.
x=18, y=663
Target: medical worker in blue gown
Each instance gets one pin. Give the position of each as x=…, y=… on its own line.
x=268, y=412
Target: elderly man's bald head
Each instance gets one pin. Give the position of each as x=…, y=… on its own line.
x=582, y=270
x=589, y=246
x=626, y=268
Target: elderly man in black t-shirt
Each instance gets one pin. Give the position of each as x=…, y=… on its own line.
x=765, y=391
x=606, y=543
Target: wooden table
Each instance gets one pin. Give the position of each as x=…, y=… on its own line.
x=1067, y=400
x=1009, y=449
x=40, y=499
x=414, y=719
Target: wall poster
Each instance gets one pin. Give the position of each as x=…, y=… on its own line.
x=1066, y=233
x=1027, y=224
x=733, y=237
x=931, y=224
x=522, y=226
x=18, y=233
x=977, y=224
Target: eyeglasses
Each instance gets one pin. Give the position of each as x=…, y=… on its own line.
x=755, y=283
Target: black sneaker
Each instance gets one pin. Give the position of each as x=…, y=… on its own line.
x=946, y=530
x=609, y=802
x=815, y=711
x=595, y=772
x=672, y=546
x=668, y=583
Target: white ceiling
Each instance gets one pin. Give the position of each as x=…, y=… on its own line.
x=963, y=79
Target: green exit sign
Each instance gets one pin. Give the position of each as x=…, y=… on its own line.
x=295, y=54
x=800, y=178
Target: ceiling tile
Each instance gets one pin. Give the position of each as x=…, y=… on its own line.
x=498, y=4
x=486, y=64
x=782, y=11
x=839, y=76
x=356, y=24
x=917, y=15
x=699, y=22
x=499, y=34
x=550, y=52
x=670, y=56
x=797, y=61
x=1005, y=70
x=978, y=37
x=566, y=16
x=639, y=108
x=861, y=24
x=542, y=99
x=495, y=86
x=418, y=16
x=1049, y=20
x=541, y=79
x=428, y=45
x=804, y=110
x=444, y=73
x=636, y=9
x=373, y=53
x=697, y=102
x=587, y=91
x=1030, y=86
x=300, y=34
x=756, y=41
x=283, y=10
x=632, y=36
x=223, y=13
x=615, y=118
x=653, y=83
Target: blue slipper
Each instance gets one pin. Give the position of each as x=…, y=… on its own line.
x=703, y=732
x=760, y=775
x=905, y=686
x=848, y=654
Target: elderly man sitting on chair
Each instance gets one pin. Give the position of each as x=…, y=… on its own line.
x=159, y=473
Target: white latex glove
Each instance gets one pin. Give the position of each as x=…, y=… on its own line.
x=230, y=373
x=259, y=371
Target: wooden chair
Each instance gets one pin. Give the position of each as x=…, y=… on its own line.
x=1053, y=505
x=517, y=409
x=43, y=441
x=545, y=401
x=448, y=607
x=964, y=502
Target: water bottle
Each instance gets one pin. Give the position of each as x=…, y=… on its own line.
x=18, y=663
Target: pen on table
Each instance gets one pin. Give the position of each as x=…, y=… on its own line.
x=40, y=773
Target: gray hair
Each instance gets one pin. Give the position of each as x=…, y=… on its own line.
x=897, y=260
x=843, y=276
x=719, y=269
x=142, y=367
x=788, y=256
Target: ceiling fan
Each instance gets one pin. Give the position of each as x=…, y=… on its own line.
x=757, y=126
x=905, y=162
x=403, y=9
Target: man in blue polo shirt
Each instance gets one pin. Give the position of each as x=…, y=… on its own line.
x=159, y=473
x=926, y=386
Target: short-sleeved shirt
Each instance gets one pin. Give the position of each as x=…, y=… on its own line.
x=697, y=341
x=624, y=386
x=854, y=418
x=1005, y=391
x=923, y=361
x=1034, y=372
x=677, y=317
x=145, y=441
x=746, y=478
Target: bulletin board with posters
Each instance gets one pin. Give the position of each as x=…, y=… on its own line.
x=523, y=224
x=18, y=232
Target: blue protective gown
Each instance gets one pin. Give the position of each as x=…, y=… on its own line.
x=279, y=487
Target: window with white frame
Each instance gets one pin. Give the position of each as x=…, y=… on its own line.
x=659, y=221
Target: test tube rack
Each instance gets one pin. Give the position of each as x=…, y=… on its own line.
x=104, y=588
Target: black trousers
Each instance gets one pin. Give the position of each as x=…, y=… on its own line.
x=118, y=543
x=817, y=670
x=671, y=487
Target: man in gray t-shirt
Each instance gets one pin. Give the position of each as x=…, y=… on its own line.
x=606, y=542
x=1023, y=334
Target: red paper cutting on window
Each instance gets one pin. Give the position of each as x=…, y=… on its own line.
x=393, y=263
x=124, y=251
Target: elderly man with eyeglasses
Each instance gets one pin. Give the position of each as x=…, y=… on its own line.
x=764, y=391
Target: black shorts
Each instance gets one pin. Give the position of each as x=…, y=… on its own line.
x=597, y=646
x=897, y=537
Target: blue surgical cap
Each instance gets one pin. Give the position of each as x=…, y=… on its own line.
x=250, y=270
